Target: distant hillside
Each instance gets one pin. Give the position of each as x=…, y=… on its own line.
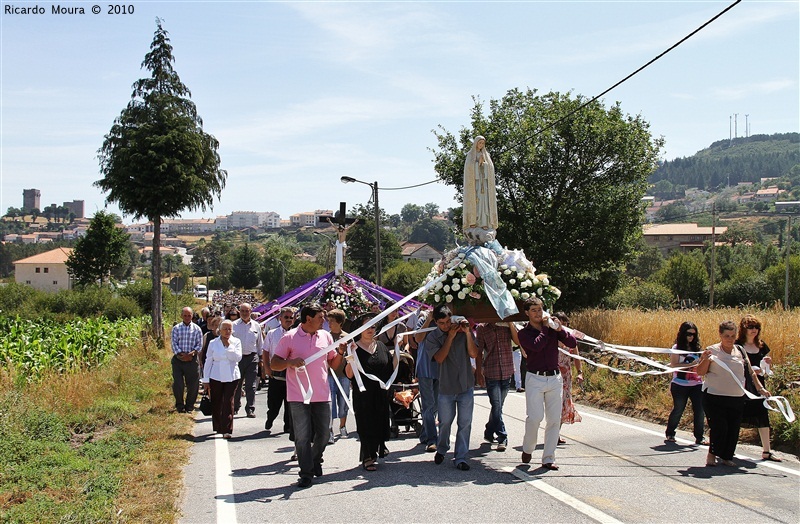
x=742, y=159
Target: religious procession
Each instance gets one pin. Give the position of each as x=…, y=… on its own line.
x=340, y=346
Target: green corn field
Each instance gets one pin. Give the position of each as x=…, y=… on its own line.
x=32, y=347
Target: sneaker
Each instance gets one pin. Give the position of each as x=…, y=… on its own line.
x=501, y=446
x=304, y=482
x=330, y=437
x=343, y=432
x=438, y=458
x=430, y=448
x=251, y=414
x=463, y=466
x=268, y=424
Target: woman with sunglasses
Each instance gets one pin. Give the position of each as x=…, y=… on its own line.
x=755, y=414
x=686, y=385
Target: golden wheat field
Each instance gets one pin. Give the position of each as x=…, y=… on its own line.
x=780, y=329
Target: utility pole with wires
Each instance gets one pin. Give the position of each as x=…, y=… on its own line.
x=713, y=252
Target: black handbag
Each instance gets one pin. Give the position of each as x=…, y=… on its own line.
x=205, y=405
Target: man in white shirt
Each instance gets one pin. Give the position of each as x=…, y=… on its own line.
x=276, y=394
x=248, y=331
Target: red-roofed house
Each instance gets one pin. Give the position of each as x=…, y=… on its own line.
x=46, y=271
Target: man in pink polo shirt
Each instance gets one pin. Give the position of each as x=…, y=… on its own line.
x=308, y=376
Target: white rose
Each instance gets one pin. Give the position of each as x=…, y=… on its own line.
x=515, y=293
x=438, y=286
x=455, y=287
x=539, y=291
x=464, y=281
x=450, y=273
x=512, y=281
x=526, y=295
x=462, y=266
x=437, y=298
x=447, y=288
x=462, y=295
x=546, y=281
x=456, y=280
x=503, y=266
x=557, y=292
x=513, y=268
x=448, y=298
x=507, y=272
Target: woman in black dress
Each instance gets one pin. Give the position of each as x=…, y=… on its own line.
x=755, y=414
x=371, y=406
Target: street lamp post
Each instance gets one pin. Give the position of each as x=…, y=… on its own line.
x=374, y=187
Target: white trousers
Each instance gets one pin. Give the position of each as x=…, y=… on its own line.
x=542, y=401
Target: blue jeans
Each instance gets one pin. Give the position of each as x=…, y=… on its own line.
x=680, y=396
x=497, y=391
x=311, y=433
x=339, y=408
x=429, y=395
x=448, y=405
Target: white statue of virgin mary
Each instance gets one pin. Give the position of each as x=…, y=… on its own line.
x=480, y=195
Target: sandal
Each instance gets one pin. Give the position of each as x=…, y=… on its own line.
x=769, y=456
x=369, y=465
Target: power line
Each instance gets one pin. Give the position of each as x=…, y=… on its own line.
x=552, y=124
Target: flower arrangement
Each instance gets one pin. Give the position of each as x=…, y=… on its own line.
x=464, y=284
x=346, y=296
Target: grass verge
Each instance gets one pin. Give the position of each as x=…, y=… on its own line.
x=95, y=446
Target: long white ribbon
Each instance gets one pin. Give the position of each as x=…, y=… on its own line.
x=783, y=406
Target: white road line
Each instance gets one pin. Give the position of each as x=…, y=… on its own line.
x=226, y=505
x=559, y=495
x=783, y=469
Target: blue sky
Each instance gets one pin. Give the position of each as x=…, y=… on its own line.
x=302, y=93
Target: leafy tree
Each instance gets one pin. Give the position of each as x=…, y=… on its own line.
x=246, y=262
x=644, y=295
x=406, y=277
x=212, y=258
x=434, y=232
x=745, y=287
x=410, y=213
x=569, y=183
x=302, y=271
x=104, y=249
x=647, y=263
x=776, y=277
x=360, y=255
x=686, y=276
x=157, y=161
x=430, y=210
x=672, y=212
x=276, y=262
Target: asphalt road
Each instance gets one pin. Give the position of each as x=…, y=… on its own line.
x=613, y=469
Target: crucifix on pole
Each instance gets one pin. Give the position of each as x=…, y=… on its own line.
x=343, y=223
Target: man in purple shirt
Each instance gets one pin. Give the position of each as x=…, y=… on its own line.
x=543, y=383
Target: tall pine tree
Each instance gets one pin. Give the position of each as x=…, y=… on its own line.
x=157, y=161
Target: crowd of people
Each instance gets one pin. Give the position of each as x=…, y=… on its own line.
x=312, y=378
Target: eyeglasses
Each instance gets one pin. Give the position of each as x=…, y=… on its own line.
x=691, y=333
x=287, y=318
x=752, y=327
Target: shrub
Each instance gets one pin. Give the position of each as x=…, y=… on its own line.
x=642, y=295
